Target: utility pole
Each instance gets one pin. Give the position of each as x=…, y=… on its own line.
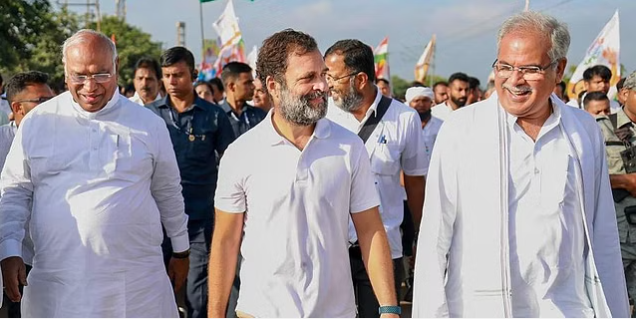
x=88, y=16
x=181, y=33
x=527, y=5
x=121, y=9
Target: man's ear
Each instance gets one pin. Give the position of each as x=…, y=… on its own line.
x=16, y=108
x=271, y=85
x=363, y=80
x=561, y=70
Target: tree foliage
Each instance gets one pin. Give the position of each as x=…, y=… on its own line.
x=132, y=44
x=33, y=33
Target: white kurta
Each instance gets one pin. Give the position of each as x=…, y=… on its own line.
x=102, y=184
x=463, y=262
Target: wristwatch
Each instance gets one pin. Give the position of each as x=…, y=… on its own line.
x=181, y=254
x=390, y=309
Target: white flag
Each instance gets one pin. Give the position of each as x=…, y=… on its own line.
x=604, y=51
x=251, y=59
x=226, y=26
x=422, y=65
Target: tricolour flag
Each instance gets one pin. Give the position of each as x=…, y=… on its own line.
x=381, y=58
x=605, y=51
x=230, y=38
x=422, y=65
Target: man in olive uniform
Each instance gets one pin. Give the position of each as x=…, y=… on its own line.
x=619, y=132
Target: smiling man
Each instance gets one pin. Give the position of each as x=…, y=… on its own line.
x=293, y=204
x=519, y=218
x=91, y=177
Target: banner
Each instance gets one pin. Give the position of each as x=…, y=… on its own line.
x=605, y=51
x=230, y=38
x=422, y=65
x=381, y=58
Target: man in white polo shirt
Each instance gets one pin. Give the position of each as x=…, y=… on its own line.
x=393, y=139
x=294, y=203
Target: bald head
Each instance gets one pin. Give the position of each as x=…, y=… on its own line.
x=90, y=38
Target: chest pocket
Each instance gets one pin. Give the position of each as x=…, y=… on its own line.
x=201, y=145
x=386, y=159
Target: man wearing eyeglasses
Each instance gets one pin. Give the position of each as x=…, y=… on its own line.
x=519, y=219
x=199, y=131
x=394, y=144
x=24, y=92
x=92, y=179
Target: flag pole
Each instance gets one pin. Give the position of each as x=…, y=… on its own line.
x=527, y=5
x=202, y=34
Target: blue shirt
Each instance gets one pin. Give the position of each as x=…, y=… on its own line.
x=198, y=135
x=250, y=116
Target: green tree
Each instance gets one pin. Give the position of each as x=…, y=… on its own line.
x=21, y=22
x=132, y=44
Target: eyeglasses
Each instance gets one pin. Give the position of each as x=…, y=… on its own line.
x=332, y=79
x=36, y=101
x=530, y=73
x=81, y=79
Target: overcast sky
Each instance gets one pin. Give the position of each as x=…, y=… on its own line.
x=466, y=29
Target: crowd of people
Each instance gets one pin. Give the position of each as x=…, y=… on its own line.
x=304, y=189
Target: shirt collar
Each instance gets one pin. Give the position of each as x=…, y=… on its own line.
x=551, y=121
x=92, y=115
x=374, y=106
x=622, y=118
x=137, y=99
x=321, y=131
x=227, y=108
x=198, y=102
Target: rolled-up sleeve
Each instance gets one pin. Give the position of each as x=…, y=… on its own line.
x=166, y=190
x=15, y=203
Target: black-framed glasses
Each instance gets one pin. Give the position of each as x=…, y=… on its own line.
x=81, y=79
x=332, y=79
x=530, y=73
x=39, y=100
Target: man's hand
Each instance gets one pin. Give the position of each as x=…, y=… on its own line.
x=177, y=271
x=13, y=275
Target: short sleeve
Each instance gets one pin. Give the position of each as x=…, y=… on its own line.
x=230, y=192
x=363, y=191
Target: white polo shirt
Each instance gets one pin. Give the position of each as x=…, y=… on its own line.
x=297, y=206
x=395, y=144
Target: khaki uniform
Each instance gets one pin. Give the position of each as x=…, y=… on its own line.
x=616, y=165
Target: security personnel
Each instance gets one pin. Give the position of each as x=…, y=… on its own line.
x=619, y=133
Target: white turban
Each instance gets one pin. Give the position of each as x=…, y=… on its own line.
x=416, y=91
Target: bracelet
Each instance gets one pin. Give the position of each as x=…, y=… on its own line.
x=181, y=255
x=390, y=309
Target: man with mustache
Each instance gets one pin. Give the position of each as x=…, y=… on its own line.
x=458, y=91
x=146, y=81
x=293, y=204
x=519, y=215
x=394, y=144
x=441, y=92
x=92, y=178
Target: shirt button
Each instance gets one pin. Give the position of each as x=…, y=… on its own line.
x=536, y=171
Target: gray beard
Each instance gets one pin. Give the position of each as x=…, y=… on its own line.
x=299, y=111
x=350, y=102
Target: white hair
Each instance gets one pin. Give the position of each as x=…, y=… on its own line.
x=83, y=36
x=543, y=24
